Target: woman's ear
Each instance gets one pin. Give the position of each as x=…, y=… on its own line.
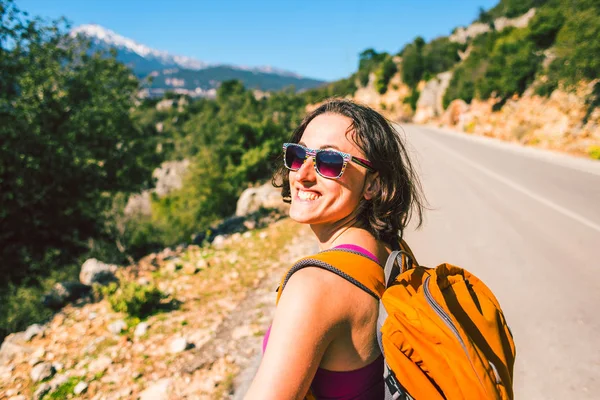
x=371, y=185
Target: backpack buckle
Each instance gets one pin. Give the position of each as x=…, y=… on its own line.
x=393, y=385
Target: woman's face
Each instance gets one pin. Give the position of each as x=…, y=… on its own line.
x=322, y=201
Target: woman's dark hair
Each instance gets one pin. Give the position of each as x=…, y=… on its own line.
x=400, y=196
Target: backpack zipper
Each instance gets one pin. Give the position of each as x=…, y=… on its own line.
x=448, y=321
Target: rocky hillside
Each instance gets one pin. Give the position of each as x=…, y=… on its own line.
x=527, y=75
x=217, y=303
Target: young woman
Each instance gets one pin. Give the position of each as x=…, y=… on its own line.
x=347, y=175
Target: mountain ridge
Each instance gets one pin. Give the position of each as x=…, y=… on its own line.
x=187, y=75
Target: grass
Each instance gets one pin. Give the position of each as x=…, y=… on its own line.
x=65, y=390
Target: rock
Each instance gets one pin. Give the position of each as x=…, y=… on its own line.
x=253, y=199
x=179, y=345
x=461, y=34
x=94, y=271
x=263, y=235
x=143, y=281
x=250, y=224
x=39, y=353
x=124, y=393
x=80, y=388
x=219, y=242
x=6, y=371
x=430, y=104
x=169, y=176
x=101, y=364
x=518, y=22
x=41, y=371
x=158, y=391
x=454, y=112
x=19, y=397
x=33, y=331
x=139, y=204
x=41, y=391
x=37, y=357
x=92, y=316
x=58, y=366
x=65, y=292
x=141, y=329
x=13, y=346
x=117, y=327
x=172, y=266
x=247, y=235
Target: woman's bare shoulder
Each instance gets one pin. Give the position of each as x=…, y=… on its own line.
x=326, y=290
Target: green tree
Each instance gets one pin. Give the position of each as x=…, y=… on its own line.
x=577, y=46
x=384, y=73
x=439, y=55
x=412, y=62
x=512, y=66
x=68, y=143
x=368, y=60
x=545, y=26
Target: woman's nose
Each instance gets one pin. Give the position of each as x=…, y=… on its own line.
x=307, y=170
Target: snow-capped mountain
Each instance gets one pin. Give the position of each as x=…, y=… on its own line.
x=100, y=35
x=186, y=74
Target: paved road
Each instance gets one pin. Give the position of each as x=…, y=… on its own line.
x=528, y=223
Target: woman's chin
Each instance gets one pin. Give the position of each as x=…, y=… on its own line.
x=299, y=217
x=301, y=214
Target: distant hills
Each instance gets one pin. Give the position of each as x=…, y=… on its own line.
x=185, y=74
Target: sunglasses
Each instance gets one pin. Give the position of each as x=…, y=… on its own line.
x=328, y=163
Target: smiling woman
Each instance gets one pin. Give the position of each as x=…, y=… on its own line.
x=347, y=174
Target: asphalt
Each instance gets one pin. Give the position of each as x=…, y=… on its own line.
x=527, y=222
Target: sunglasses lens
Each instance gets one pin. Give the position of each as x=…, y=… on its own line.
x=294, y=157
x=330, y=163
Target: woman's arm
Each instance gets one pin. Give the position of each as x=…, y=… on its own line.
x=306, y=321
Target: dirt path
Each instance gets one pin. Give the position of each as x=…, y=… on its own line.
x=238, y=339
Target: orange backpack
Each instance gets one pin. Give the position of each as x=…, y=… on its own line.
x=441, y=330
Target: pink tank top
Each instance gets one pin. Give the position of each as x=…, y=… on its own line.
x=360, y=384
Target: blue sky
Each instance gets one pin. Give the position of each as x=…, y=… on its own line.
x=319, y=39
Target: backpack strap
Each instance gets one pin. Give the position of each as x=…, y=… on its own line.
x=351, y=265
x=366, y=274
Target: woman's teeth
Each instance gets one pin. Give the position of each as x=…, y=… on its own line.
x=307, y=195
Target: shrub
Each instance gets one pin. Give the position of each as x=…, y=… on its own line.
x=138, y=301
x=384, y=73
x=65, y=390
x=440, y=55
x=545, y=25
x=594, y=152
x=578, y=48
x=368, y=61
x=513, y=64
x=412, y=62
x=462, y=85
x=413, y=99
